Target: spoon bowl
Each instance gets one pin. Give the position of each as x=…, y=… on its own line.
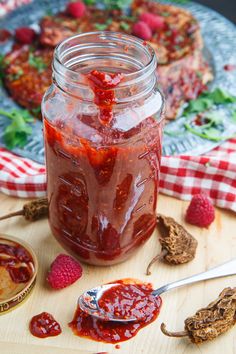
x=89, y=300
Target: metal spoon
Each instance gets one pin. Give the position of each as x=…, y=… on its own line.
x=88, y=301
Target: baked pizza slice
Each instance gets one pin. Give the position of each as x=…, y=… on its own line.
x=28, y=75
x=182, y=69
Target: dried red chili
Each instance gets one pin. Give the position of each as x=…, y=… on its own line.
x=178, y=245
x=31, y=211
x=210, y=322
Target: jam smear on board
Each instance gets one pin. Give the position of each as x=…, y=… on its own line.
x=129, y=298
x=44, y=325
x=17, y=261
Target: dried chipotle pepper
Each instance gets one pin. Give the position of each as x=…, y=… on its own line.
x=208, y=323
x=178, y=245
x=32, y=211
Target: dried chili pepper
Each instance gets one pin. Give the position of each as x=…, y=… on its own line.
x=178, y=245
x=31, y=211
x=208, y=323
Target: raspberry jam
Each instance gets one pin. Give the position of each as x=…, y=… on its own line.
x=103, y=158
x=16, y=260
x=123, y=300
x=44, y=325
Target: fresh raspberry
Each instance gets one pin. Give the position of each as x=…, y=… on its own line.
x=200, y=211
x=25, y=35
x=64, y=271
x=76, y=9
x=141, y=30
x=154, y=22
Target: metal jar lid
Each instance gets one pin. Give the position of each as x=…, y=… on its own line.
x=18, y=271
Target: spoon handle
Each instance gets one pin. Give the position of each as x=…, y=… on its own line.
x=225, y=269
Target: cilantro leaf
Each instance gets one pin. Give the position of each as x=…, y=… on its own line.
x=103, y=26
x=100, y=26
x=115, y=4
x=207, y=100
x=89, y=2
x=220, y=96
x=212, y=127
x=37, y=62
x=36, y=110
x=2, y=67
x=124, y=26
x=17, y=132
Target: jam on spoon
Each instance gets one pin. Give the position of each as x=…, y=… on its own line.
x=128, y=297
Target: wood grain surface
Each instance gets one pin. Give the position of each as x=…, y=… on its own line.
x=216, y=245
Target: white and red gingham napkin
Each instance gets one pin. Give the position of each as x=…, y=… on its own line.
x=181, y=176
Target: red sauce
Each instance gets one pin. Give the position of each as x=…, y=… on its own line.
x=117, y=346
x=44, y=325
x=229, y=67
x=4, y=35
x=126, y=299
x=102, y=188
x=17, y=261
x=104, y=97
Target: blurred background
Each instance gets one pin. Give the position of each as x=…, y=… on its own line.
x=226, y=8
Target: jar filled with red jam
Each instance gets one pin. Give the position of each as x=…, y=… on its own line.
x=103, y=129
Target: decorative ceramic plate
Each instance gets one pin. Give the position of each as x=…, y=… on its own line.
x=219, y=36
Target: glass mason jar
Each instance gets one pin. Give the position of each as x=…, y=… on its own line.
x=103, y=130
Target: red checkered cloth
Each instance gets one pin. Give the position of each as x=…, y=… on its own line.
x=181, y=176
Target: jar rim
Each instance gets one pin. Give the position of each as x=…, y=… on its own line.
x=128, y=40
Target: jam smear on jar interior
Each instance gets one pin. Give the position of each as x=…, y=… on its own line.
x=44, y=325
x=16, y=260
x=103, y=179
x=130, y=298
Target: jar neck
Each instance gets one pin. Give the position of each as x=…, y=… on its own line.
x=108, y=52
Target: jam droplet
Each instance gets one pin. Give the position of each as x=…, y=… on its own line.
x=229, y=67
x=44, y=325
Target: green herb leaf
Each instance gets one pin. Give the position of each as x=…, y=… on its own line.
x=212, y=129
x=220, y=96
x=89, y=2
x=124, y=26
x=17, y=132
x=36, y=110
x=115, y=4
x=207, y=100
x=101, y=26
x=16, y=76
x=2, y=67
x=37, y=62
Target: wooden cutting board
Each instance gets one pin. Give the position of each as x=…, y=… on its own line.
x=216, y=245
